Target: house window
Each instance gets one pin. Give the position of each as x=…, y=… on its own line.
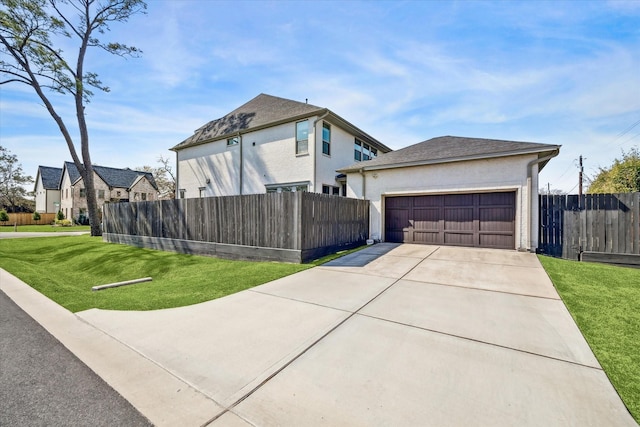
x=202, y=190
x=284, y=188
x=302, y=137
x=233, y=141
x=118, y=193
x=330, y=189
x=100, y=194
x=136, y=196
x=144, y=196
x=363, y=151
x=83, y=192
x=67, y=194
x=183, y=193
x=344, y=190
x=326, y=139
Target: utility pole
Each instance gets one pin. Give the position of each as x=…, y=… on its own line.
x=580, y=178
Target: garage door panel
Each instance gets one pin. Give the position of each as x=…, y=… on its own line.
x=497, y=219
x=459, y=239
x=474, y=219
x=458, y=219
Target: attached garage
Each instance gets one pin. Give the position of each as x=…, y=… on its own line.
x=454, y=191
x=474, y=219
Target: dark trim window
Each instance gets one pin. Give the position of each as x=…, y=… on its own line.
x=330, y=189
x=233, y=141
x=83, y=192
x=363, y=151
x=183, y=193
x=326, y=139
x=302, y=137
x=285, y=188
x=100, y=194
x=144, y=196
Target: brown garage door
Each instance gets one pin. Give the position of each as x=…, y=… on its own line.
x=480, y=219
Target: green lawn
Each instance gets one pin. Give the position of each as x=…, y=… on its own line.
x=65, y=268
x=47, y=228
x=605, y=303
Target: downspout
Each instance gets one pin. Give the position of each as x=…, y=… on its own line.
x=529, y=191
x=315, y=151
x=241, y=160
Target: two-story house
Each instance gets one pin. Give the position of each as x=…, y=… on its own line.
x=111, y=185
x=271, y=144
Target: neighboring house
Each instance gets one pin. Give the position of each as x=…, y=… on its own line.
x=111, y=185
x=47, y=189
x=271, y=144
x=454, y=191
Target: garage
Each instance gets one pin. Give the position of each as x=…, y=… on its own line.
x=473, y=219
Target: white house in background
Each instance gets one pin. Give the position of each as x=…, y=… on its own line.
x=47, y=189
x=454, y=191
x=271, y=144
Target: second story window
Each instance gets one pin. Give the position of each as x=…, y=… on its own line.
x=302, y=137
x=100, y=194
x=233, y=141
x=363, y=151
x=326, y=139
x=83, y=192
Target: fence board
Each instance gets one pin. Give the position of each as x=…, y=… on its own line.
x=27, y=219
x=599, y=223
x=310, y=223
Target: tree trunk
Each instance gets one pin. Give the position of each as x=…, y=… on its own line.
x=92, y=204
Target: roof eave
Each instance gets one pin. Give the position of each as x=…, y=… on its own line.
x=547, y=149
x=251, y=129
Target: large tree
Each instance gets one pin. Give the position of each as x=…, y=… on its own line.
x=621, y=177
x=12, y=181
x=31, y=33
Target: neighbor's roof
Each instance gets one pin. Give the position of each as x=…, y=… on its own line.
x=120, y=178
x=50, y=177
x=265, y=111
x=446, y=149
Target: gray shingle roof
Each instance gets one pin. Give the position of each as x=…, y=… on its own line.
x=445, y=149
x=260, y=111
x=121, y=178
x=50, y=177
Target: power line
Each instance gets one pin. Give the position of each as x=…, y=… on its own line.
x=626, y=131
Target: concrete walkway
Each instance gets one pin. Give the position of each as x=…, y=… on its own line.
x=391, y=335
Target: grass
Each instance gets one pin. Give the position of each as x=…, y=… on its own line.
x=65, y=268
x=604, y=300
x=46, y=228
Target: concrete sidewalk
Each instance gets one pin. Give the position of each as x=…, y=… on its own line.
x=390, y=335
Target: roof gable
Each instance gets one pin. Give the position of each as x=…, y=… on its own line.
x=113, y=177
x=260, y=111
x=445, y=149
x=50, y=177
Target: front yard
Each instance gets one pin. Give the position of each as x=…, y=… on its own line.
x=65, y=268
x=46, y=228
x=605, y=302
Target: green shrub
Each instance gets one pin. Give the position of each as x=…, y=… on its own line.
x=36, y=216
x=60, y=216
x=64, y=222
x=4, y=216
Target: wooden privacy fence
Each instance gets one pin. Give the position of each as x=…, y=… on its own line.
x=592, y=227
x=294, y=227
x=27, y=219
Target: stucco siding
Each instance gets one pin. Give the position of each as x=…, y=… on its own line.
x=341, y=155
x=502, y=174
x=214, y=162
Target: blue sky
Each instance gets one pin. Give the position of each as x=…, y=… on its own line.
x=564, y=73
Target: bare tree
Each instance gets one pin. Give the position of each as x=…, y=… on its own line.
x=31, y=57
x=164, y=177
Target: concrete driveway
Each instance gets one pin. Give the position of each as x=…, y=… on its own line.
x=391, y=335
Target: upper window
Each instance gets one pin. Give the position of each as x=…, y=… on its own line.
x=83, y=192
x=100, y=194
x=326, y=139
x=302, y=137
x=144, y=196
x=362, y=151
x=233, y=141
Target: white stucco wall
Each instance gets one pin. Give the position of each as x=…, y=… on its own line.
x=45, y=199
x=502, y=174
x=269, y=158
